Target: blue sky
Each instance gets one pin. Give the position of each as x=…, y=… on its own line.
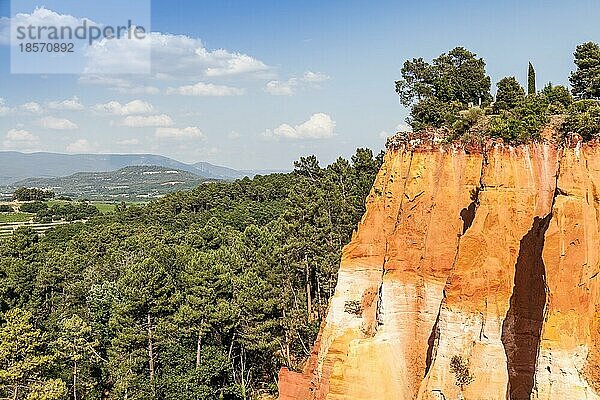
x=317, y=76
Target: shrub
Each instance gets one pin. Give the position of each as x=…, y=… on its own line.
x=460, y=368
x=559, y=98
x=5, y=208
x=33, y=207
x=583, y=118
x=466, y=123
x=434, y=113
x=506, y=127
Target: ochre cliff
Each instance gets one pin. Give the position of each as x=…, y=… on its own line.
x=482, y=256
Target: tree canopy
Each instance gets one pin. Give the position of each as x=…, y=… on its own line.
x=453, y=93
x=586, y=78
x=199, y=295
x=438, y=90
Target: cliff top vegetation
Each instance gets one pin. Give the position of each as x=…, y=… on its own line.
x=452, y=94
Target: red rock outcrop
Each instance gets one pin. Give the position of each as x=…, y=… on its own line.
x=473, y=274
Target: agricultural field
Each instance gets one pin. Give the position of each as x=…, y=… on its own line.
x=15, y=217
x=9, y=221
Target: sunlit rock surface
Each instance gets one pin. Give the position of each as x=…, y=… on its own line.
x=488, y=255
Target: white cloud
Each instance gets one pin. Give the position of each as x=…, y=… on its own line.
x=59, y=124
x=287, y=88
x=314, y=77
x=233, y=64
x=79, y=146
x=119, y=56
x=133, y=107
x=19, y=135
x=4, y=110
x=206, y=89
x=41, y=16
x=128, y=142
x=190, y=132
x=72, y=104
x=139, y=121
x=118, y=84
x=31, y=108
x=319, y=126
x=178, y=56
x=20, y=139
x=279, y=88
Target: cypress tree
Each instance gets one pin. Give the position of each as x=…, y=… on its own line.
x=531, y=80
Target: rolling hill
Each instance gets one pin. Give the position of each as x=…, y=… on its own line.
x=129, y=183
x=16, y=166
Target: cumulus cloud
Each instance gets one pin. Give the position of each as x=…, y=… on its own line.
x=59, y=124
x=233, y=64
x=41, y=16
x=72, y=104
x=318, y=126
x=119, y=56
x=119, y=85
x=173, y=56
x=289, y=87
x=206, y=89
x=191, y=132
x=31, y=107
x=279, y=88
x=20, y=139
x=79, y=146
x=314, y=77
x=133, y=107
x=139, y=121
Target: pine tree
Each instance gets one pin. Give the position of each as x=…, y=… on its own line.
x=531, y=80
x=21, y=356
x=586, y=79
x=509, y=95
x=76, y=346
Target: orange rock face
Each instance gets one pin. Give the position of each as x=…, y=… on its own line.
x=473, y=274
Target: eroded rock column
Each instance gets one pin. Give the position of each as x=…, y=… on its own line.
x=569, y=357
x=518, y=186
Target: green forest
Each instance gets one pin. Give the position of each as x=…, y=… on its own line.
x=199, y=295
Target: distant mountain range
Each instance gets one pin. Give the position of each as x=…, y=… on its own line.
x=16, y=166
x=129, y=183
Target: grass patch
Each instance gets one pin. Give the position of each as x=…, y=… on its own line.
x=14, y=217
x=105, y=208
